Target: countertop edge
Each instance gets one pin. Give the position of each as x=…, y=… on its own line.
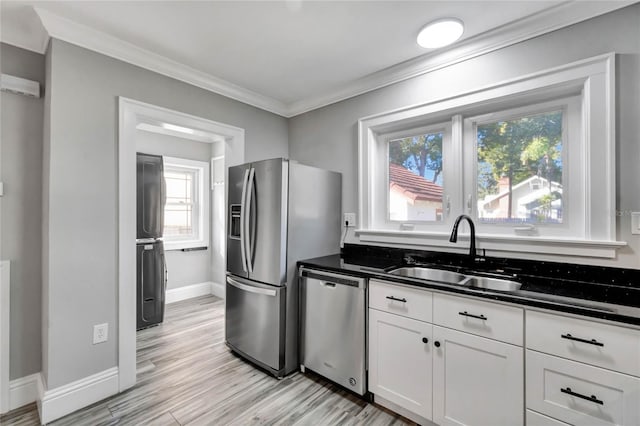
x=598, y=310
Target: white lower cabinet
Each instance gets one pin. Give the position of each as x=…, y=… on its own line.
x=581, y=394
x=476, y=381
x=400, y=364
x=537, y=419
x=456, y=360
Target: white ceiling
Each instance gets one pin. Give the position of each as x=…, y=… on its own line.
x=284, y=56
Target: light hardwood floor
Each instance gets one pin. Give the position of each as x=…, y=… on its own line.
x=188, y=376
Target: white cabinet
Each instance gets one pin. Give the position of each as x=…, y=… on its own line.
x=471, y=368
x=400, y=361
x=565, y=376
x=476, y=381
x=453, y=377
x=493, y=320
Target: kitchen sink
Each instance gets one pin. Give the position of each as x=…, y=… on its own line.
x=491, y=284
x=429, y=274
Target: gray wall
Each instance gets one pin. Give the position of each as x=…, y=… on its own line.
x=81, y=279
x=21, y=208
x=192, y=267
x=328, y=137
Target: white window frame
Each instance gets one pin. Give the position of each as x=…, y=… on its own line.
x=381, y=213
x=573, y=177
x=591, y=166
x=200, y=237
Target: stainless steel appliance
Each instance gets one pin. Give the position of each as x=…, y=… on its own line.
x=279, y=212
x=333, y=329
x=151, y=276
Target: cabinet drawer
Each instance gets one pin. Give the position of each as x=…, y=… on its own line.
x=580, y=394
x=603, y=345
x=537, y=419
x=401, y=300
x=493, y=320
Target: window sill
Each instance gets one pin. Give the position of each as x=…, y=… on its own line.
x=504, y=243
x=183, y=245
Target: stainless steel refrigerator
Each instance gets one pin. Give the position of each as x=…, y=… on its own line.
x=151, y=275
x=279, y=212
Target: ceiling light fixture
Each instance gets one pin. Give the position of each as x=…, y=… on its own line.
x=178, y=128
x=440, y=33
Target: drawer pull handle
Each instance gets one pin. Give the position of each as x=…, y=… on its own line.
x=403, y=300
x=577, y=339
x=467, y=314
x=591, y=398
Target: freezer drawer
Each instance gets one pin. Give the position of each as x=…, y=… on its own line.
x=254, y=323
x=333, y=337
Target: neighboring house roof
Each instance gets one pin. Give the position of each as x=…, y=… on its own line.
x=534, y=194
x=412, y=185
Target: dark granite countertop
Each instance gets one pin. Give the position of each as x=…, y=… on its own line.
x=615, y=300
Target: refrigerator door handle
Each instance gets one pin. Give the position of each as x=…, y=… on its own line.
x=243, y=215
x=247, y=217
x=251, y=289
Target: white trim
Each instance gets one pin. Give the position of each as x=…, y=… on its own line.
x=594, y=77
x=130, y=113
x=56, y=403
x=521, y=244
x=5, y=317
x=218, y=290
x=548, y=20
x=562, y=15
x=23, y=391
x=173, y=295
x=89, y=38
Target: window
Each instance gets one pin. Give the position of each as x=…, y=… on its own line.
x=186, y=210
x=415, y=177
x=530, y=160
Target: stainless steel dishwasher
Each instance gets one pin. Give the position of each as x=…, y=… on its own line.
x=333, y=327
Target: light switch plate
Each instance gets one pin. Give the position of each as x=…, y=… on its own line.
x=635, y=222
x=1, y=189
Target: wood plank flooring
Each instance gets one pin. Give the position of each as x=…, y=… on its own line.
x=188, y=376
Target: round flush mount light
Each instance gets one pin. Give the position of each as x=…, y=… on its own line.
x=440, y=33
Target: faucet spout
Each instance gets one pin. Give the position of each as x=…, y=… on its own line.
x=472, y=238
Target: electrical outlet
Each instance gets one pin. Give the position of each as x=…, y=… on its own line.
x=100, y=333
x=350, y=219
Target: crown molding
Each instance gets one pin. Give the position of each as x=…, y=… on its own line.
x=88, y=38
x=562, y=15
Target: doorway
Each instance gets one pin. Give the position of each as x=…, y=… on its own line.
x=132, y=116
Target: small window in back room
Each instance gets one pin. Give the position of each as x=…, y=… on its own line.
x=179, y=208
x=415, y=178
x=186, y=210
x=520, y=168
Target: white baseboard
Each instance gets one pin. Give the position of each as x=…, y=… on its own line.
x=218, y=290
x=23, y=391
x=56, y=403
x=195, y=290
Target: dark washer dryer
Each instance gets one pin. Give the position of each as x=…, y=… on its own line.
x=151, y=275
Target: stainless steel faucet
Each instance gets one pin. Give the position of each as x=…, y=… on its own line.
x=472, y=237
